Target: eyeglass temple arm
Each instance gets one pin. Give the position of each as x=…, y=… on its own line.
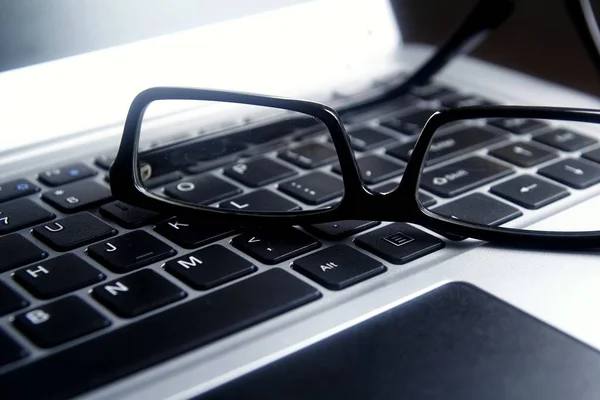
x=485, y=16
x=582, y=16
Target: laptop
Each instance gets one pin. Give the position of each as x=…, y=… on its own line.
x=75, y=324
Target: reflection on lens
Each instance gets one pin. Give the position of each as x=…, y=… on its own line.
x=237, y=157
x=515, y=173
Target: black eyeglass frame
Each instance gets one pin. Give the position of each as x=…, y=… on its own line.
x=358, y=201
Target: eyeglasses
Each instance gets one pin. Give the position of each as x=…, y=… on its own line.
x=296, y=165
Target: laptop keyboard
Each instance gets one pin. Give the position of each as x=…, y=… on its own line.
x=82, y=273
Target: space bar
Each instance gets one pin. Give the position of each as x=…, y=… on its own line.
x=159, y=337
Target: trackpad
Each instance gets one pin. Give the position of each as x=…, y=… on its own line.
x=455, y=342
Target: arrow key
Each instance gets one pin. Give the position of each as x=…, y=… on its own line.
x=529, y=191
x=576, y=173
x=275, y=246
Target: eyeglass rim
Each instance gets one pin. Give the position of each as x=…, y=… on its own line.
x=358, y=202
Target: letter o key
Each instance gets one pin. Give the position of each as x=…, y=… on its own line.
x=186, y=186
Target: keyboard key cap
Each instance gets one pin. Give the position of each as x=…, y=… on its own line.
x=425, y=199
x=259, y=172
x=338, y=267
x=10, y=301
x=517, y=125
x=16, y=188
x=447, y=146
x=9, y=350
x=190, y=235
x=315, y=188
x=529, y=191
x=138, y=293
x=260, y=200
x=311, y=155
x=364, y=139
x=59, y=322
x=16, y=251
x=203, y=189
x=65, y=174
x=166, y=335
x=129, y=216
x=592, y=155
x=375, y=169
x=409, y=124
x=130, y=251
x=209, y=267
x=465, y=100
x=104, y=162
x=57, y=276
x=479, y=209
x=399, y=243
x=162, y=180
x=21, y=213
x=272, y=247
x=74, y=231
x=565, y=140
x=523, y=154
x=77, y=196
x=576, y=173
x=462, y=176
x=340, y=229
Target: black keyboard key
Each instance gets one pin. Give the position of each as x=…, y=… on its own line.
x=259, y=172
x=425, y=199
x=315, y=188
x=74, y=231
x=59, y=322
x=517, y=125
x=130, y=251
x=338, y=267
x=10, y=301
x=447, y=146
x=364, y=139
x=260, y=200
x=409, y=124
x=565, y=140
x=104, y=162
x=16, y=188
x=77, y=196
x=529, y=191
x=203, y=189
x=431, y=92
x=57, y=276
x=65, y=174
x=523, y=154
x=21, y=213
x=16, y=251
x=576, y=173
x=592, y=155
x=462, y=176
x=275, y=246
x=374, y=169
x=190, y=235
x=399, y=243
x=162, y=180
x=209, y=267
x=311, y=155
x=479, y=209
x=138, y=293
x=166, y=335
x=340, y=229
x=129, y=216
x=9, y=350
x=465, y=100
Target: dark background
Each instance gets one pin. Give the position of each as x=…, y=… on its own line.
x=539, y=38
